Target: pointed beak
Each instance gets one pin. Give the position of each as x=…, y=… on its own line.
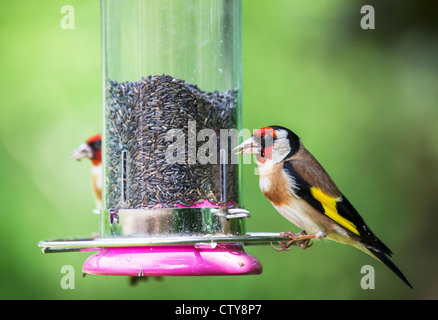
x=83, y=151
x=248, y=146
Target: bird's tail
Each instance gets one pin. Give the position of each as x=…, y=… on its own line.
x=385, y=259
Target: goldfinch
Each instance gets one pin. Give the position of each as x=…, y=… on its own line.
x=302, y=191
x=91, y=149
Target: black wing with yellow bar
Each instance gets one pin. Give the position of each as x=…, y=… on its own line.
x=338, y=209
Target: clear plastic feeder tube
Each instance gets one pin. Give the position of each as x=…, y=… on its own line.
x=172, y=105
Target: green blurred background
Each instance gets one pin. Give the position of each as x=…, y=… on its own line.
x=364, y=102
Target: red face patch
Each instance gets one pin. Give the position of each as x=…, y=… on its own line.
x=266, y=137
x=94, y=138
x=266, y=154
x=94, y=142
x=265, y=131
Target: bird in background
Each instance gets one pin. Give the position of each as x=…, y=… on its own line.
x=302, y=191
x=92, y=149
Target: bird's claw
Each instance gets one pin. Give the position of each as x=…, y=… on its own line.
x=302, y=240
x=304, y=244
x=283, y=247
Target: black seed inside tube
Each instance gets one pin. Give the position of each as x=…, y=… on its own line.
x=138, y=115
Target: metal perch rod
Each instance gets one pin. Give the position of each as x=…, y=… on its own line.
x=86, y=244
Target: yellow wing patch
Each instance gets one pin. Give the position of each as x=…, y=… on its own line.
x=329, y=205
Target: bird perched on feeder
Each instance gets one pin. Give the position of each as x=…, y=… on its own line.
x=301, y=190
x=91, y=149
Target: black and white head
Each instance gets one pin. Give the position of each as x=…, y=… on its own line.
x=271, y=144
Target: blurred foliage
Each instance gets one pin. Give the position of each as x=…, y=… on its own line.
x=364, y=102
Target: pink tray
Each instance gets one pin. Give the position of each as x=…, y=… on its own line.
x=179, y=260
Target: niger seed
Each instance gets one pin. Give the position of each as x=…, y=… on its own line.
x=137, y=117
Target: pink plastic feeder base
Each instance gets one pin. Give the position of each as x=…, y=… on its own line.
x=183, y=260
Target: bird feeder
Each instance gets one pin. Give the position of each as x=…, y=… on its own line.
x=171, y=117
